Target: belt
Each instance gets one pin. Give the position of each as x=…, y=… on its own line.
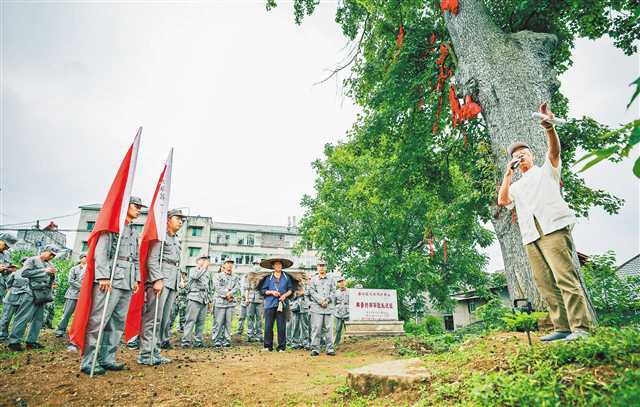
x=172, y=262
x=126, y=258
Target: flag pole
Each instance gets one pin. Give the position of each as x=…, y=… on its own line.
x=155, y=314
x=106, y=303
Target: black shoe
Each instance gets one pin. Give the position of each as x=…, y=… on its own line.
x=115, y=366
x=16, y=347
x=314, y=353
x=331, y=353
x=227, y=345
x=166, y=345
x=34, y=345
x=97, y=371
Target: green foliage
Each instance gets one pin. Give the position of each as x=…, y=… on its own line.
x=523, y=321
x=616, y=299
x=62, y=278
x=18, y=255
x=418, y=345
x=429, y=325
x=404, y=174
x=567, y=374
x=492, y=314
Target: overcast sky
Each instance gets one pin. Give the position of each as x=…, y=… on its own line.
x=230, y=86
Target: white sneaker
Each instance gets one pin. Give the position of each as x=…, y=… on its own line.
x=577, y=335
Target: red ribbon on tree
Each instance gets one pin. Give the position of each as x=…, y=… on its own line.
x=469, y=110
x=400, y=37
x=446, y=258
x=450, y=5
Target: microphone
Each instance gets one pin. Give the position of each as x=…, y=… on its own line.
x=555, y=120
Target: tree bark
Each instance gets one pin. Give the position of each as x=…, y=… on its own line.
x=510, y=75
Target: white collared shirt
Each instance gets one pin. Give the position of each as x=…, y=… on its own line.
x=537, y=193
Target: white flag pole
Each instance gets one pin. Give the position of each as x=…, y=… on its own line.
x=165, y=190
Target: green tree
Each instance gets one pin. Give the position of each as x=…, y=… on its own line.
x=505, y=55
x=616, y=299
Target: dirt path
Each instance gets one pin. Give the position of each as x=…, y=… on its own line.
x=237, y=376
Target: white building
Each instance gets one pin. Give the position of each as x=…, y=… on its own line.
x=245, y=243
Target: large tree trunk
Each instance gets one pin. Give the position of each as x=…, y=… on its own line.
x=510, y=75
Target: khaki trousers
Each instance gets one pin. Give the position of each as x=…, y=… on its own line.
x=551, y=259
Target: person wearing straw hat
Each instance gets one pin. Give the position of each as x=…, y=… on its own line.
x=125, y=281
x=226, y=288
x=76, y=274
x=161, y=286
x=322, y=291
x=36, y=294
x=199, y=290
x=6, y=241
x=276, y=290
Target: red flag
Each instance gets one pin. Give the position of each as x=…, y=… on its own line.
x=110, y=219
x=155, y=229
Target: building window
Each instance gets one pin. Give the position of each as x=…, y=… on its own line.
x=196, y=231
x=90, y=225
x=241, y=241
x=250, y=240
x=472, y=305
x=85, y=246
x=194, y=251
x=448, y=322
x=239, y=259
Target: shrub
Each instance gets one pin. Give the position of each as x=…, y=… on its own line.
x=492, y=314
x=429, y=325
x=615, y=299
x=522, y=321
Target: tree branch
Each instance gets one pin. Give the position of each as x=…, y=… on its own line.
x=356, y=51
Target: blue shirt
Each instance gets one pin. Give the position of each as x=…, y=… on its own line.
x=269, y=284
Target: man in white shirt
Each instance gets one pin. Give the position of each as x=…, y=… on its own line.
x=545, y=222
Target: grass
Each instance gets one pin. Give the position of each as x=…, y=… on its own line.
x=500, y=369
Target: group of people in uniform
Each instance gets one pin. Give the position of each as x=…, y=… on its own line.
x=304, y=311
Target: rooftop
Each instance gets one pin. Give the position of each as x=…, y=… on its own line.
x=630, y=268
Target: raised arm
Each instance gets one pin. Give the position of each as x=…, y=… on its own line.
x=552, y=136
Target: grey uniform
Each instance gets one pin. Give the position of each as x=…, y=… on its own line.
x=243, y=306
x=28, y=312
x=254, y=311
x=223, y=284
x=322, y=289
x=341, y=313
x=169, y=272
x=126, y=275
x=199, y=295
x=16, y=286
x=76, y=274
x=5, y=260
x=300, y=322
